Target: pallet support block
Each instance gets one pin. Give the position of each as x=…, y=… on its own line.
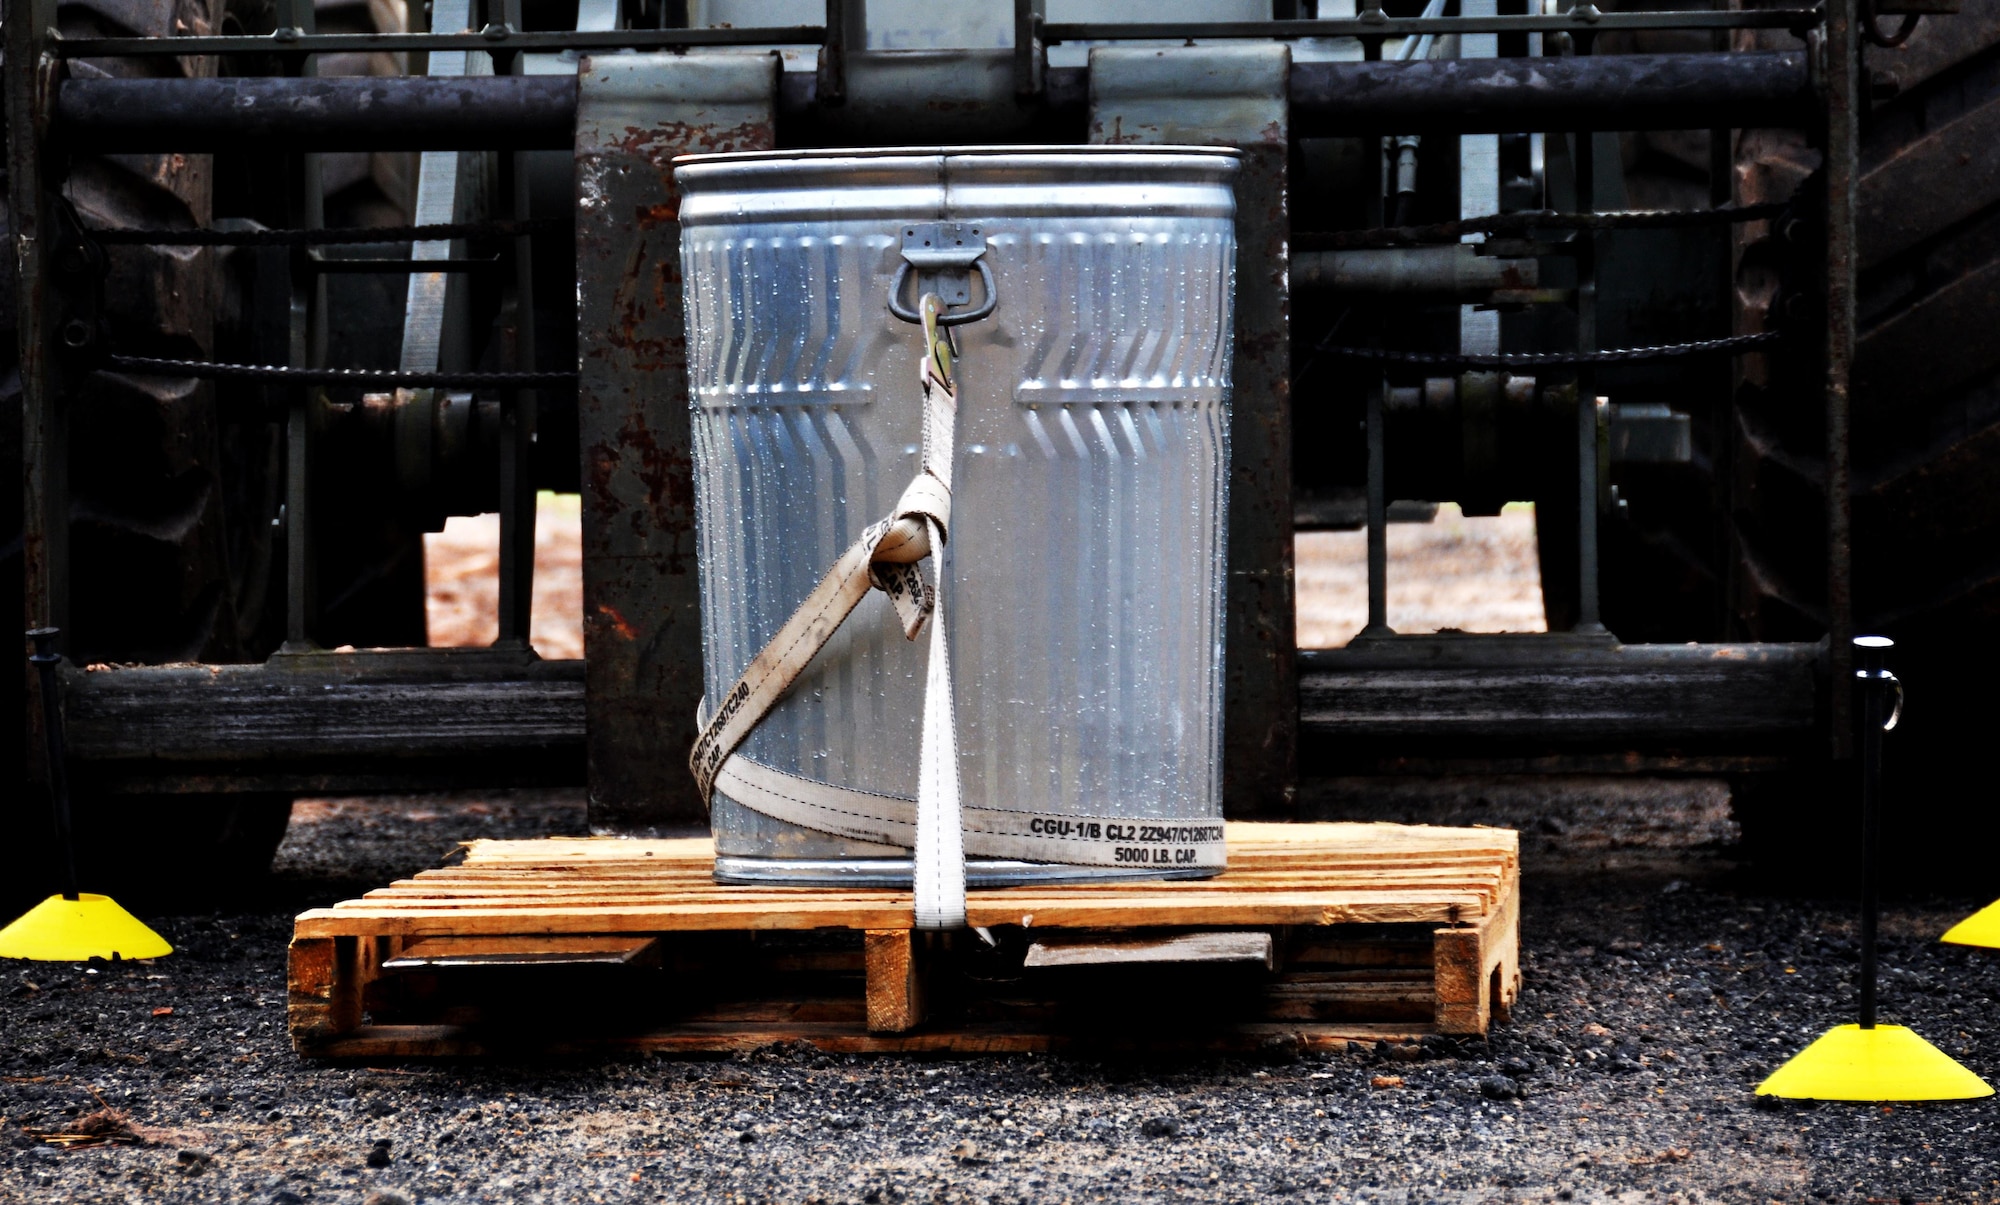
x=892, y=961
x=325, y=977
x=1478, y=970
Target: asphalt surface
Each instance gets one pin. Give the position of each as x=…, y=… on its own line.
x=1660, y=987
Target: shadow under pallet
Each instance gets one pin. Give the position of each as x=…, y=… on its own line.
x=1316, y=935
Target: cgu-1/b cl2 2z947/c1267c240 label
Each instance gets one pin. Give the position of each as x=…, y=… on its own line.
x=1134, y=843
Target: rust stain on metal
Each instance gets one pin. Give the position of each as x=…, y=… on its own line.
x=617, y=622
x=1117, y=135
x=601, y=466
x=640, y=299
x=662, y=142
x=667, y=473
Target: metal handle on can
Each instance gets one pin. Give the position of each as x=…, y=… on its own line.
x=943, y=253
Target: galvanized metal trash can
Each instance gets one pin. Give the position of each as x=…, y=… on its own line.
x=1085, y=562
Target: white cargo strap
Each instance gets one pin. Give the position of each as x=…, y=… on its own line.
x=935, y=824
x=885, y=558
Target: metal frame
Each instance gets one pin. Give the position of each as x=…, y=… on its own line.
x=1585, y=18
x=1623, y=92
x=642, y=606
x=494, y=38
x=48, y=115
x=299, y=40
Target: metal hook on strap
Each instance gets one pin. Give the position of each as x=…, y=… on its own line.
x=944, y=255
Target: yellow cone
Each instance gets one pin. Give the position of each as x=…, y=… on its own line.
x=1887, y=1062
x=89, y=926
x=1982, y=928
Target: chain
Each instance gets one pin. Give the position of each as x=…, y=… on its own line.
x=1619, y=355
x=209, y=371
x=326, y=237
x=1533, y=220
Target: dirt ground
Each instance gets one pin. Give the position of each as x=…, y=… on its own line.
x=1660, y=985
x=1476, y=575
x=462, y=572
x=1658, y=990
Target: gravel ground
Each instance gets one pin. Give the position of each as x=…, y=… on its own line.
x=1659, y=989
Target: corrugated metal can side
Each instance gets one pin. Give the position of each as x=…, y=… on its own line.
x=1087, y=549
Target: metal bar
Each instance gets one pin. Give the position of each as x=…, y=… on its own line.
x=1875, y=679
x=1588, y=617
x=517, y=423
x=846, y=32
x=1478, y=183
x=1448, y=270
x=1617, y=92
x=449, y=190
x=1371, y=12
x=1612, y=92
x=492, y=38
x=344, y=114
x=1518, y=694
x=1530, y=223
x=1378, y=519
x=306, y=348
x=1528, y=359
x=294, y=42
x=378, y=720
x=298, y=536
x=208, y=370
x=1583, y=17
x=1843, y=91
x=1030, y=55
x=44, y=420
x=229, y=233
x=400, y=267
x=436, y=319
x=45, y=660
x=369, y=720
x=1720, y=419
x=517, y=518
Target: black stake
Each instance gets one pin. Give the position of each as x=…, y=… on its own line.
x=45, y=660
x=1877, y=683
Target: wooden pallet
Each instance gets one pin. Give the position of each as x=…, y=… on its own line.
x=1317, y=934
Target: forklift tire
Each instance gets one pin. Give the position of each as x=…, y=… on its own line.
x=1925, y=440
x=173, y=556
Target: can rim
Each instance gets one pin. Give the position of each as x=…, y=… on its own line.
x=1078, y=150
